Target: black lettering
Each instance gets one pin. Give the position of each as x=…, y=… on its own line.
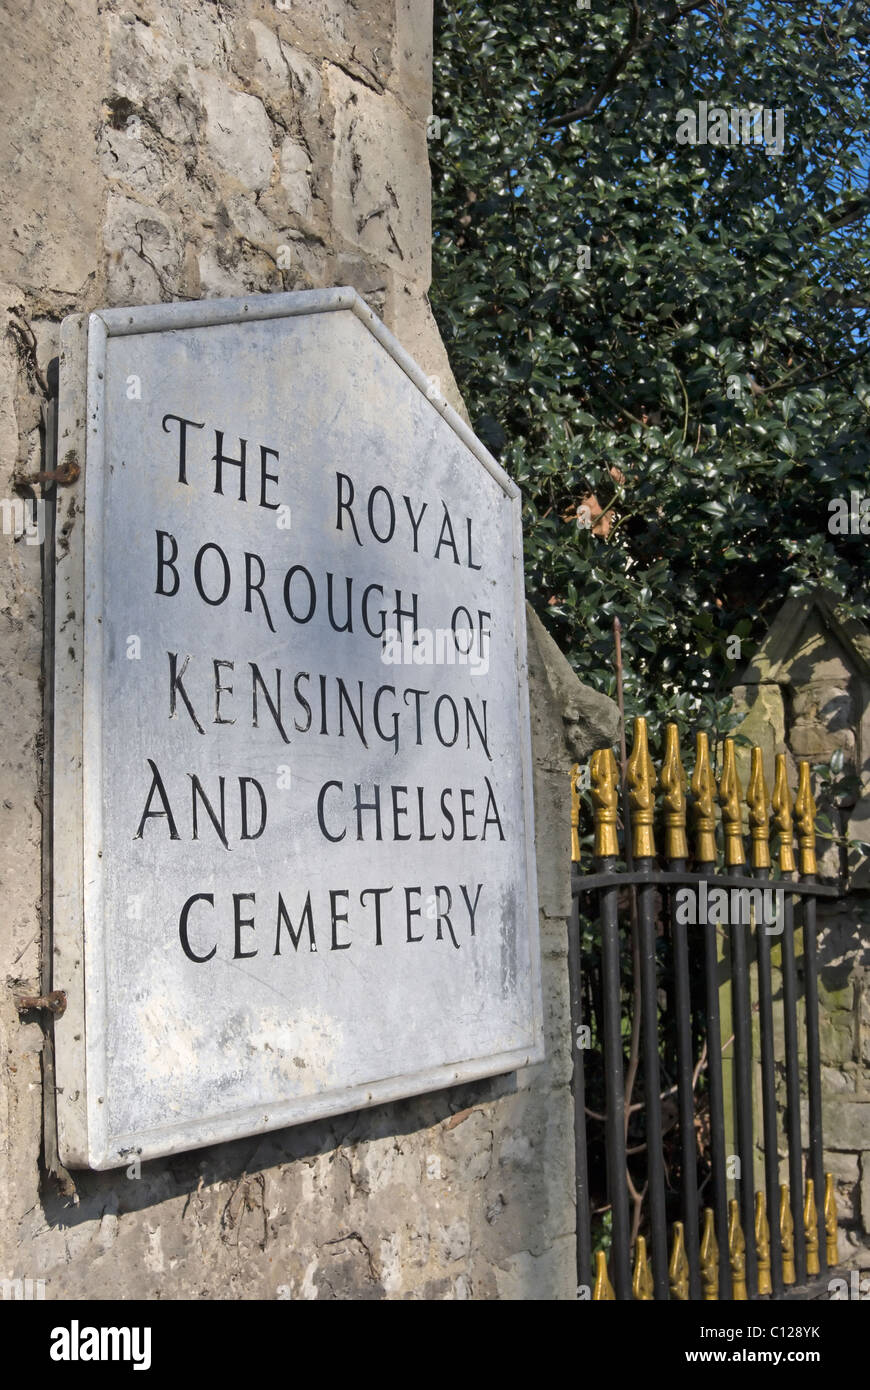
x=423, y=835
x=239, y=922
x=305, y=920
x=411, y=912
x=345, y=506
x=197, y=574
x=360, y=806
x=347, y=625
x=391, y=512
x=321, y=822
x=398, y=811
x=164, y=563
x=158, y=787
x=377, y=894
x=244, y=783
x=312, y=594
x=494, y=818
x=411, y=691
x=220, y=458
x=182, y=927
x=373, y=589
x=302, y=676
x=447, y=814
x=252, y=588
x=275, y=712
x=182, y=441
x=219, y=825
x=334, y=894
x=415, y=521
x=446, y=537
x=176, y=687
x=471, y=718
x=446, y=742
x=467, y=811
x=357, y=718
x=471, y=564
x=376, y=704
x=273, y=478
x=220, y=690
x=444, y=916
x=472, y=906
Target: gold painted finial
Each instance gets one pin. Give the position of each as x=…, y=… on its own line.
x=642, y=782
x=575, y=814
x=704, y=814
x=678, y=1269
x=786, y=1231
x=602, y=1289
x=811, y=1228
x=782, y=816
x=757, y=799
x=604, y=775
x=831, y=1250
x=642, y=1286
x=737, y=1253
x=673, y=781
x=709, y=1258
x=805, y=810
x=730, y=793
x=762, y=1244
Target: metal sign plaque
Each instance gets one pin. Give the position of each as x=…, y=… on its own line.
x=294, y=858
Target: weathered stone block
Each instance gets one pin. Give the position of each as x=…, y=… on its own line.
x=847, y=1124
x=145, y=253
x=238, y=134
x=380, y=178
x=53, y=74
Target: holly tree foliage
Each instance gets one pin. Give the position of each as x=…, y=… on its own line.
x=664, y=343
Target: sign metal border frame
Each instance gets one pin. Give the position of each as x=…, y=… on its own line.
x=78, y=944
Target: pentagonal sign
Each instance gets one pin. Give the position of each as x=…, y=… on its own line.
x=293, y=846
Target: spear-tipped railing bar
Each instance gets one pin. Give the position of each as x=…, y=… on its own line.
x=642, y=782
x=604, y=778
x=794, y=1244
x=673, y=782
x=704, y=815
x=735, y=858
x=757, y=799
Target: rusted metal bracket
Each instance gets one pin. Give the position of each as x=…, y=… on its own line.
x=68, y=472
x=55, y=1002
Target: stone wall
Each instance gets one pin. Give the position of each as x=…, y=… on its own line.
x=807, y=694
x=163, y=151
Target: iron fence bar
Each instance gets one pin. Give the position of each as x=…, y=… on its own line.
x=652, y=1085
x=717, y=1104
x=793, y=1092
x=686, y=1095
x=614, y=1086
x=768, y=1098
x=581, y=1166
x=814, y=1071
x=743, y=1069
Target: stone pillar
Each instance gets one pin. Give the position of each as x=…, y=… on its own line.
x=164, y=152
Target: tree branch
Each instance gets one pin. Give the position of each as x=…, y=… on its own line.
x=609, y=80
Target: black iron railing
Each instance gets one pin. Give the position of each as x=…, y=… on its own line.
x=655, y=951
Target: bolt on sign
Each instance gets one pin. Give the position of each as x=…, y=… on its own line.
x=293, y=843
